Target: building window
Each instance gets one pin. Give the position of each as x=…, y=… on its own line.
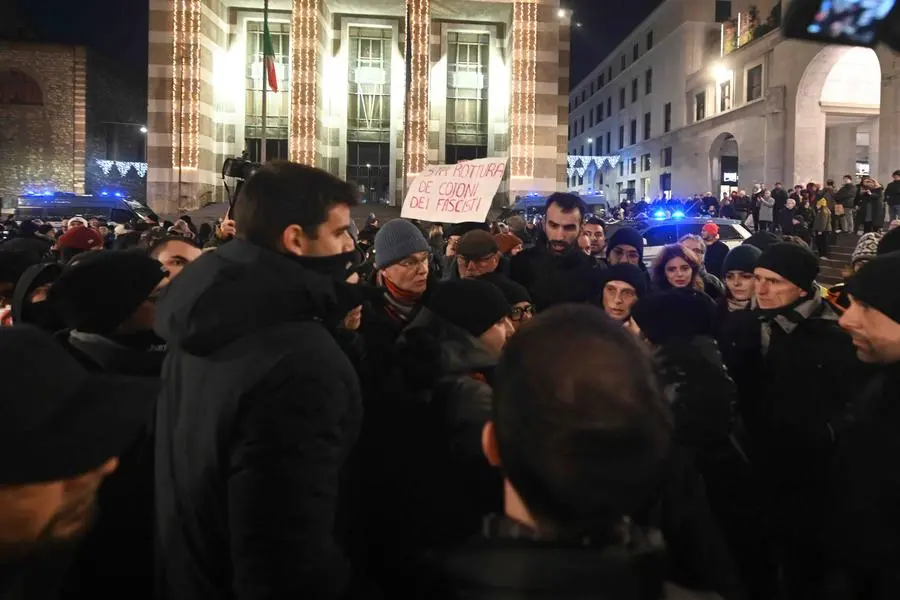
x=648, y=81
x=665, y=182
x=667, y=156
x=723, y=10
x=634, y=90
x=632, y=165
x=667, y=117
x=633, y=131
x=583, y=95
x=467, y=111
x=621, y=136
x=754, y=83
x=592, y=88
x=609, y=107
x=599, y=109
x=700, y=106
x=645, y=162
x=608, y=142
x=590, y=148
x=623, y=62
x=278, y=103
x=649, y=39
x=570, y=131
x=621, y=169
x=635, y=52
x=582, y=123
x=725, y=96
x=575, y=128
x=609, y=74
x=647, y=119
x=601, y=81
x=621, y=98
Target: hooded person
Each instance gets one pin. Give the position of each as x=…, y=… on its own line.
x=792, y=419
x=618, y=288
x=441, y=399
x=555, y=270
x=626, y=245
x=29, y=301
x=862, y=529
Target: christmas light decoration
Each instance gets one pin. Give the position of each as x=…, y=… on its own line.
x=578, y=165
x=418, y=24
x=105, y=166
x=186, y=84
x=304, y=90
x=122, y=167
x=524, y=77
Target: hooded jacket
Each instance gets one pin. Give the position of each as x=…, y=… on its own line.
x=259, y=410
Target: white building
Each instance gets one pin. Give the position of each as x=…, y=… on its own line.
x=706, y=95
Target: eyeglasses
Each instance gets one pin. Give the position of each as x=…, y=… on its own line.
x=478, y=260
x=519, y=312
x=630, y=255
x=415, y=261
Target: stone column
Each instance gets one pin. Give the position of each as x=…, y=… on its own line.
x=840, y=142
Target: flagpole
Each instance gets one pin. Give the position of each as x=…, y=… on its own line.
x=262, y=151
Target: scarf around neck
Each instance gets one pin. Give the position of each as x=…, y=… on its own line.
x=787, y=317
x=399, y=304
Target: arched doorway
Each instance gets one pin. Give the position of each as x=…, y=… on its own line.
x=837, y=122
x=723, y=165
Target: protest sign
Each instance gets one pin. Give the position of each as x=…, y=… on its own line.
x=454, y=193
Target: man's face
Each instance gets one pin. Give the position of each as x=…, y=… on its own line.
x=562, y=229
x=75, y=224
x=333, y=236
x=618, y=298
x=875, y=335
x=471, y=267
x=848, y=180
x=774, y=291
x=175, y=256
x=36, y=518
x=410, y=274
x=695, y=246
x=95, y=223
x=522, y=312
x=623, y=253
x=597, y=237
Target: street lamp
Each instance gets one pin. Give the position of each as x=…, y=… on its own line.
x=143, y=129
x=721, y=73
x=561, y=13
x=369, y=181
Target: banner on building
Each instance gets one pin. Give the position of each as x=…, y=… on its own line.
x=457, y=193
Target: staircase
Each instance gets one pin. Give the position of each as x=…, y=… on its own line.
x=839, y=259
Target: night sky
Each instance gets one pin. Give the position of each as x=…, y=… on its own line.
x=118, y=28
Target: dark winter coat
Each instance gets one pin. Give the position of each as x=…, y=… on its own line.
x=506, y=565
x=36, y=248
x=871, y=205
x=715, y=258
x=864, y=521
x=780, y=196
x=892, y=193
x=551, y=279
x=429, y=483
x=259, y=412
x=846, y=195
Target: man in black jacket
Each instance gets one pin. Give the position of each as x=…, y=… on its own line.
x=892, y=195
x=556, y=270
x=846, y=197
x=260, y=406
x=863, y=525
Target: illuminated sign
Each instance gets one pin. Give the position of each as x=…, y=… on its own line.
x=729, y=177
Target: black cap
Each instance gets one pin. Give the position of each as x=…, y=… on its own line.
x=626, y=272
x=514, y=292
x=470, y=304
x=793, y=262
x=66, y=425
x=628, y=237
x=476, y=244
x=762, y=240
x=743, y=258
x=876, y=285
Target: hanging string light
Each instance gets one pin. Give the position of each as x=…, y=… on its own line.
x=524, y=77
x=304, y=91
x=194, y=134
x=186, y=21
x=419, y=27
x=177, y=36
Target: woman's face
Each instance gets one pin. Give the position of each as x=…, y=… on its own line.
x=741, y=285
x=678, y=272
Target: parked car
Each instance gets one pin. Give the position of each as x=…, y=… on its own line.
x=659, y=232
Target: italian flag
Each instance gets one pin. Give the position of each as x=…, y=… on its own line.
x=269, y=56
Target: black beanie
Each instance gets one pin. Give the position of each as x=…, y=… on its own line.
x=627, y=272
x=513, y=292
x=676, y=315
x=470, y=304
x=743, y=259
x=876, y=285
x=99, y=293
x=762, y=240
x=795, y=263
x=890, y=242
x=628, y=237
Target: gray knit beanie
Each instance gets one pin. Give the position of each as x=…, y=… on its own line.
x=396, y=240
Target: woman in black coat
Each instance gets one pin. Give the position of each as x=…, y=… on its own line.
x=870, y=201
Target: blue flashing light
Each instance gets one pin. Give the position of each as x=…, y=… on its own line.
x=104, y=193
x=660, y=214
x=678, y=214
x=118, y=194
x=47, y=194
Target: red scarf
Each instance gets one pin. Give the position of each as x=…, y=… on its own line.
x=401, y=296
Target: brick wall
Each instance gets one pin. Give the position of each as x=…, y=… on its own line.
x=42, y=144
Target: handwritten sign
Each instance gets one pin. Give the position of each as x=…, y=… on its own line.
x=457, y=193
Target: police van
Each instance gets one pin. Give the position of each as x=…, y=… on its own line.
x=58, y=207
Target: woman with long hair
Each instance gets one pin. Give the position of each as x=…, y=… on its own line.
x=871, y=204
x=674, y=267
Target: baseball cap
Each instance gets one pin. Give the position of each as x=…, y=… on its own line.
x=67, y=425
x=711, y=229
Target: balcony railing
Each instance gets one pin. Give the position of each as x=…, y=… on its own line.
x=747, y=27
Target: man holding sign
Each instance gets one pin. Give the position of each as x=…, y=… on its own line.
x=555, y=270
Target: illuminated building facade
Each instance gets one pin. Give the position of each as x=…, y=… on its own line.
x=370, y=91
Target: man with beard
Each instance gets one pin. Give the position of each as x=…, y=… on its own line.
x=60, y=437
x=593, y=229
x=260, y=407
x=555, y=270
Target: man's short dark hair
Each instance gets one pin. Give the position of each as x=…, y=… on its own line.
x=896, y=173
x=567, y=203
x=582, y=441
x=850, y=177
x=595, y=220
x=157, y=245
x=281, y=194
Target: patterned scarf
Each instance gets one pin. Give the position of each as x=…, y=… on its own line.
x=399, y=304
x=787, y=317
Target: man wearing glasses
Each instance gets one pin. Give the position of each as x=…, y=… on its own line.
x=477, y=254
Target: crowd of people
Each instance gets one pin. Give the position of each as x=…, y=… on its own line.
x=494, y=410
